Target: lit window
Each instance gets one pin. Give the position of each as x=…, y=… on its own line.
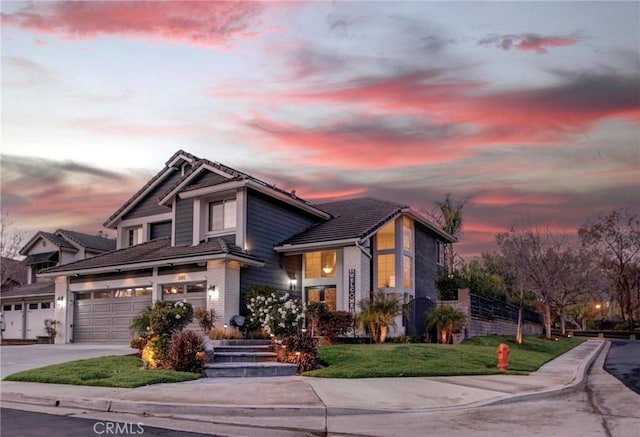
x=386, y=237
x=222, y=215
x=326, y=294
x=407, y=270
x=386, y=271
x=122, y=293
x=407, y=233
x=320, y=264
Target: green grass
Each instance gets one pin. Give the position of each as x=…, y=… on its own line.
x=112, y=371
x=475, y=356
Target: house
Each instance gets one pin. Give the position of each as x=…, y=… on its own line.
x=13, y=273
x=26, y=306
x=204, y=232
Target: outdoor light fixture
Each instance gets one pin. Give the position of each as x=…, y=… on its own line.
x=214, y=293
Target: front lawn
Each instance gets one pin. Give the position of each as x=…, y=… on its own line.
x=475, y=356
x=112, y=371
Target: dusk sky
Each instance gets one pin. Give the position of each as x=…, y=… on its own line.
x=529, y=111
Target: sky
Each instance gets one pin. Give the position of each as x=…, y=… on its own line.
x=527, y=111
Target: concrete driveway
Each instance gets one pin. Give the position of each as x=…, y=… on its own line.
x=17, y=358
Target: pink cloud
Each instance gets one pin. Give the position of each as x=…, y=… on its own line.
x=192, y=22
x=529, y=42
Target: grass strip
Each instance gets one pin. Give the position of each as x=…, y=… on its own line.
x=111, y=371
x=475, y=356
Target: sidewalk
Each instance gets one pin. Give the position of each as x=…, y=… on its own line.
x=305, y=403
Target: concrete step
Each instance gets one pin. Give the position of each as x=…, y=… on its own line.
x=243, y=349
x=241, y=342
x=243, y=357
x=248, y=370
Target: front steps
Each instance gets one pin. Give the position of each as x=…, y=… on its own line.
x=245, y=359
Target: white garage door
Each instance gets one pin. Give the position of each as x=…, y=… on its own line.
x=105, y=316
x=37, y=313
x=13, y=317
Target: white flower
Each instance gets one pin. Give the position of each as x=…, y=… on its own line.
x=177, y=316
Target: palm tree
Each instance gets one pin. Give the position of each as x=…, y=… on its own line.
x=448, y=320
x=451, y=222
x=378, y=313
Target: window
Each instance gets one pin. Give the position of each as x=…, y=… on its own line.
x=386, y=271
x=320, y=264
x=102, y=295
x=45, y=305
x=386, y=237
x=173, y=289
x=143, y=291
x=407, y=234
x=134, y=236
x=407, y=271
x=83, y=296
x=122, y=293
x=6, y=307
x=33, y=306
x=17, y=307
x=440, y=252
x=326, y=294
x=222, y=215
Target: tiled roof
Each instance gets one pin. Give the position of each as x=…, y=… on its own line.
x=43, y=288
x=89, y=241
x=152, y=251
x=350, y=219
x=55, y=239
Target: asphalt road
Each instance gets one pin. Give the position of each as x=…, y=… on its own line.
x=30, y=424
x=623, y=362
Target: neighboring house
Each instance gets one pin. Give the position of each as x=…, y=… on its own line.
x=25, y=307
x=204, y=232
x=13, y=273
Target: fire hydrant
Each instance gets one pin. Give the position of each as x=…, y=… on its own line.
x=503, y=357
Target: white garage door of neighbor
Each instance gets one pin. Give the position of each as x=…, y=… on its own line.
x=37, y=313
x=13, y=320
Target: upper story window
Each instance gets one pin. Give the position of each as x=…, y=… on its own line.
x=320, y=264
x=133, y=236
x=407, y=234
x=222, y=215
x=386, y=237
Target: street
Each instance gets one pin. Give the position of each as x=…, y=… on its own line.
x=623, y=362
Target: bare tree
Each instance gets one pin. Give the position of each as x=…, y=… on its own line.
x=10, y=244
x=614, y=240
x=534, y=261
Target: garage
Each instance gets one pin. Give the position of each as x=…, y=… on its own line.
x=105, y=315
x=194, y=293
x=37, y=313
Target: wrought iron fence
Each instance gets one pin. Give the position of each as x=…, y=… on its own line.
x=491, y=309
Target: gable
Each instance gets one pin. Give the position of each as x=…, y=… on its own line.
x=148, y=204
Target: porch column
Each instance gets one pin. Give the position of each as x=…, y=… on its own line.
x=63, y=311
x=225, y=298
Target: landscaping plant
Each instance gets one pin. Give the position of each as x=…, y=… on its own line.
x=301, y=349
x=378, y=313
x=51, y=328
x=205, y=318
x=186, y=352
x=447, y=320
x=334, y=324
x=277, y=315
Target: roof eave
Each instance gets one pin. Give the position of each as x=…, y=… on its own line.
x=305, y=247
x=151, y=264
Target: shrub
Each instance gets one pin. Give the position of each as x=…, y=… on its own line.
x=138, y=343
x=378, y=313
x=278, y=316
x=164, y=318
x=205, y=318
x=186, y=353
x=300, y=349
x=51, y=328
x=313, y=313
x=154, y=352
x=448, y=320
x=334, y=324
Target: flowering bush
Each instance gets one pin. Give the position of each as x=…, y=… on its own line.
x=164, y=318
x=278, y=316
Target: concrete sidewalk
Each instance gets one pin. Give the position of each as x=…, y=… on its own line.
x=305, y=403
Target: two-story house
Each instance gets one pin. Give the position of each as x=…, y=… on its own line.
x=25, y=307
x=204, y=232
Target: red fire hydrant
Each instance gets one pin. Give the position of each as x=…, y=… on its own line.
x=503, y=357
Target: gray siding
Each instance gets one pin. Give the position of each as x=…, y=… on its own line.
x=270, y=222
x=184, y=221
x=207, y=178
x=427, y=269
x=148, y=205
